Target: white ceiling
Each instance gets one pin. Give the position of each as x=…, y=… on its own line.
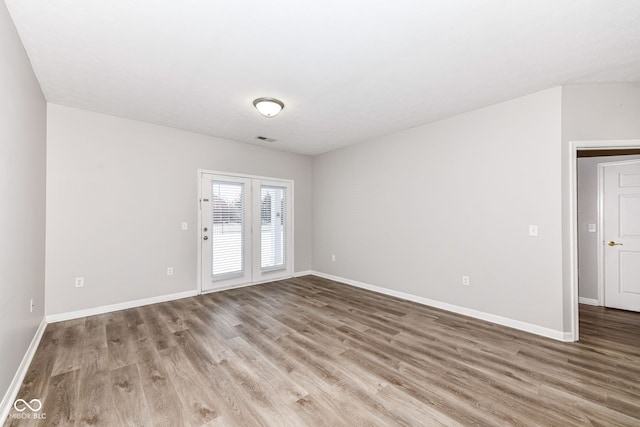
x=348, y=71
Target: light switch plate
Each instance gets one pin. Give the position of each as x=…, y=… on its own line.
x=591, y=228
x=184, y=226
x=533, y=230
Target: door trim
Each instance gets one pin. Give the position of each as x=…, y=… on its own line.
x=600, y=235
x=198, y=233
x=572, y=234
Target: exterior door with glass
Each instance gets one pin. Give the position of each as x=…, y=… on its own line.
x=246, y=230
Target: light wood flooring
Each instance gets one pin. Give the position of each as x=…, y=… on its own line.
x=309, y=351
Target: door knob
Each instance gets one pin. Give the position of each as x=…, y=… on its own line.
x=612, y=243
x=205, y=238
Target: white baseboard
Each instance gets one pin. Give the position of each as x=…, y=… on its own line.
x=52, y=318
x=588, y=301
x=14, y=387
x=504, y=321
x=302, y=273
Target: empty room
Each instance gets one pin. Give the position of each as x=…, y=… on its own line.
x=243, y=213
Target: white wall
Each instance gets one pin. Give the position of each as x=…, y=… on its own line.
x=22, y=201
x=590, y=113
x=588, y=214
x=117, y=191
x=600, y=112
x=416, y=210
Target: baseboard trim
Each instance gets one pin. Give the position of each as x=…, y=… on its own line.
x=53, y=318
x=588, y=301
x=18, y=378
x=500, y=320
x=302, y=273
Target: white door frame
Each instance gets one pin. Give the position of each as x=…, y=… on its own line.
x=199, y=232
x=572, y=244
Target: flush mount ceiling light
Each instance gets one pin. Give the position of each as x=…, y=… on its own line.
x=268, y=107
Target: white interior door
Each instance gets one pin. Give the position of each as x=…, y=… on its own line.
x=246, y=230
x=621, y=233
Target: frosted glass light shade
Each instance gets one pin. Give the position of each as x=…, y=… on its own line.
x=268, y=107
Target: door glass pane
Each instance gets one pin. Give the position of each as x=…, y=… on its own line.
x=272, y=216
x=227, y=228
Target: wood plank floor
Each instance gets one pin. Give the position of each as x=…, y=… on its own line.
x=309, y=351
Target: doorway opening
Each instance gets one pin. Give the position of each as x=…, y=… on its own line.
x=585, y=227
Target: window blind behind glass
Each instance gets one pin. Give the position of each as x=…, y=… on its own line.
x=273, y=221
x=227, y=231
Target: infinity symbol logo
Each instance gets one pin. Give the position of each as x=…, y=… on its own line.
x=37, y=405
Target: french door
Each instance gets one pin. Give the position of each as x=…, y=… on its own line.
x=246, y=231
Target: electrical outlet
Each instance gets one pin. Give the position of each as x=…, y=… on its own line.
x=169, y=271
x=31, y=306
x=333, y=258
x=466, y=281
x=79, y=282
